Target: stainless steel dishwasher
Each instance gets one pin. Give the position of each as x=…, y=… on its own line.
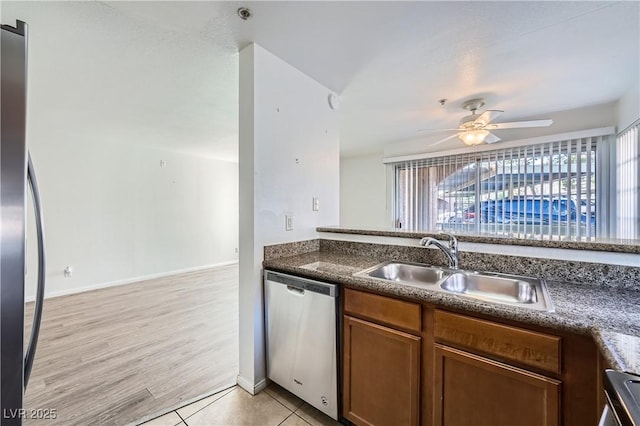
x=300, y=326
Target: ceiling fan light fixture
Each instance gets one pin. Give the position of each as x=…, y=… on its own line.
x=475, y=129
x=473, y=137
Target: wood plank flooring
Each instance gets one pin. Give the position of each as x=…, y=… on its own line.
x=117, y=355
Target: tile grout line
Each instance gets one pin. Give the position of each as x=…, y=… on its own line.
x=297, y=409
x=293, y=414
x=301, y=418
x=230, y=391
x=285, y=419
x=276, y=400
x=183, y=421
x=227, y=390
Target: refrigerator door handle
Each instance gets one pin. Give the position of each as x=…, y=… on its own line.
x=37, y=315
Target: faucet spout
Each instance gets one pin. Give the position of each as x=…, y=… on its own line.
x=451, y=251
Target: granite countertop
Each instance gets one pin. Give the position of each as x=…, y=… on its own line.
x=607, y=245
x=610, y=315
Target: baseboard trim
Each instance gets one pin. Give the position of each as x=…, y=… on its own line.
x=250, y=387
x=126, y=281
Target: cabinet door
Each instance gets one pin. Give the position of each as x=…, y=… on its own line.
x=381, y=374
x=472, y=390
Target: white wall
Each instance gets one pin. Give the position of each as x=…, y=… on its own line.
x=119, y=68
x=363, y=192
x=628, y=107
x=289, y=153
x=104, y=87
x=115, y=215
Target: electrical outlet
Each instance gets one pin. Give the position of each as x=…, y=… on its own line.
x=288, y=222
x=316, y=204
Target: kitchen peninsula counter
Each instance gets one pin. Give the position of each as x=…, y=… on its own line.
x=609, y=314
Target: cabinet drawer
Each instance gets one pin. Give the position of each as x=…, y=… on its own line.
x=509, y=343
x=393, y=312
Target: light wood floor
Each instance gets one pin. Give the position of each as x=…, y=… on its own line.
x=117, y=355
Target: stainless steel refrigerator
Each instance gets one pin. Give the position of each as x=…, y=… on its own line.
x=16, y=178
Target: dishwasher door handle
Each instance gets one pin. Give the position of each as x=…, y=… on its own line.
x=295, y=290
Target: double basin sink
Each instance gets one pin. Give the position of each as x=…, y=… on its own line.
x=507, y=289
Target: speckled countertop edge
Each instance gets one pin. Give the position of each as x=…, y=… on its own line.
x=617, y=246
x=607, y=315
x=622, y=351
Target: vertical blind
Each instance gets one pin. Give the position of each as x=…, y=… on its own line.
x=628, y=183
x=538, y=191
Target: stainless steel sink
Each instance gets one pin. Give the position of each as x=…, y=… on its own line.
x=507, y=289
x=408, y=273
x=501, y=288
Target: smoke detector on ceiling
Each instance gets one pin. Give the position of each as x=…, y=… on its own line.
x=244, y=13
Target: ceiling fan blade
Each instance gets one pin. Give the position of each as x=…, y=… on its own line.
x=488, y=116
x=520, y=124
x=437, y=130
x=444, y=140
x=491, y=138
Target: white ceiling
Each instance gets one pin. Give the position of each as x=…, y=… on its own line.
x=166, y=73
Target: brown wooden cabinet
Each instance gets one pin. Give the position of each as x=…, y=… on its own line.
x=473, y=390
x=381, y=374
x=564, y=360
x=409, y=363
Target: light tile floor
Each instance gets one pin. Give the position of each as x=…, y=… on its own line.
x=274, y=406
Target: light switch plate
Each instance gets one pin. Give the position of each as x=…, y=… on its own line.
x=316, y=204
x=288, y=222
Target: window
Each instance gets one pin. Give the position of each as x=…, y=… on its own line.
x=547, y=190
x=628, y=182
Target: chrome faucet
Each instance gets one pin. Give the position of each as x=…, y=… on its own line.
x=451, y=252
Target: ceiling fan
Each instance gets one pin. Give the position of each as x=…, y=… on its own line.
x=476, y=128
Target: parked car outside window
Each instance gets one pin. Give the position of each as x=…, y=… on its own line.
x=533, y=211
